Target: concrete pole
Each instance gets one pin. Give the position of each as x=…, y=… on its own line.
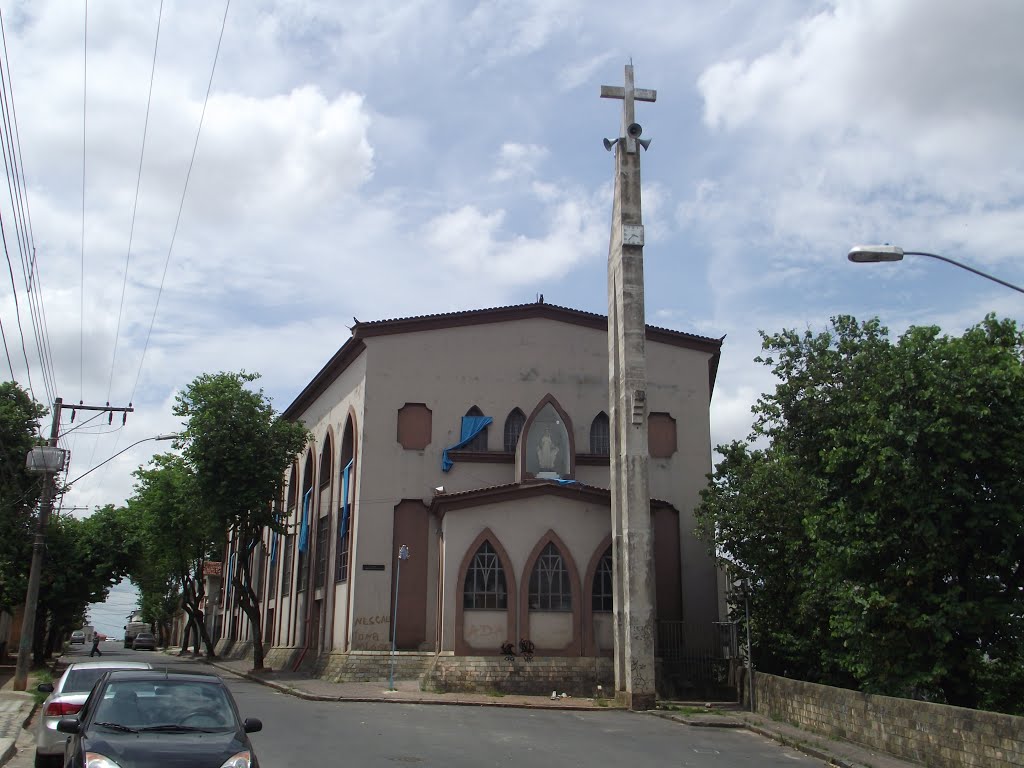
x=632, y=539
x=28, y=619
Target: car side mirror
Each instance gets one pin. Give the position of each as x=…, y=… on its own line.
x=45, y=687
x=69, y=725
x=252, y=725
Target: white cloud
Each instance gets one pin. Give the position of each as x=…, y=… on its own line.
x=518, y=161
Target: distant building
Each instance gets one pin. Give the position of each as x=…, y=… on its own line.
x=480, y=440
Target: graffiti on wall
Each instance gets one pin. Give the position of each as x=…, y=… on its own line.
x=371, y=633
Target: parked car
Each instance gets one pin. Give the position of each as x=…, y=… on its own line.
x=78, y=637
x=138, y=719
x=144, y=641
x=66, y=698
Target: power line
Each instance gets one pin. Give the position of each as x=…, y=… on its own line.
x=81, y=302
x=181, y=205
x=17, y=189
x=6, y=350
x=135, y=205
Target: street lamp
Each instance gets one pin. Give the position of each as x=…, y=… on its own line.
x=172, y=436
x=863, y=254
x=403, y=554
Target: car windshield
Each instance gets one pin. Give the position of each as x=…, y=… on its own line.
x=167, y=705
x=81, y=680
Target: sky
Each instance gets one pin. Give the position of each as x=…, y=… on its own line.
x=381, y=160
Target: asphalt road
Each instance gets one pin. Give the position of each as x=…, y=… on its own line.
x=301, y=733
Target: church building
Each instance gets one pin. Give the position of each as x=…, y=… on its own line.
x=454, y=499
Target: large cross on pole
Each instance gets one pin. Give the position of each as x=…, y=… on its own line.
x=632, y=540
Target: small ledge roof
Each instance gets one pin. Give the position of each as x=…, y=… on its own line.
x=352, y=348
x=475, y=497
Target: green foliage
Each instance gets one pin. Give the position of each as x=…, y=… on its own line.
x=19, y=491
x=84, y=559
x=238, y=450
x=174, y=533
x=883, y=524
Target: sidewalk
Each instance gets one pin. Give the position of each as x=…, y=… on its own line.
x=693, y=714
x=15, y=711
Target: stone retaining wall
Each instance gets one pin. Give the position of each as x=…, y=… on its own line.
x=483, y=674
x=935, y=735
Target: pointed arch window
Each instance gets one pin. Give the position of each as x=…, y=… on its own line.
x=485, y=588
x=599, y=435
x=601, y=592
x=478, y=443
x=513, y=428
x=550, y=586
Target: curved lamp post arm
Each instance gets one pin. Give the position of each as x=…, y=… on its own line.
x=123, y=450
x=872, y=253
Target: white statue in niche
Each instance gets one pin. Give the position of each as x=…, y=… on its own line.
x=547, y=452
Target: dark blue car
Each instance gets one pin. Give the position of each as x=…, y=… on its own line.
x=146, y=719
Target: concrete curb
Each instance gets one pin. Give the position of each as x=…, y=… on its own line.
x=9, y=746
x=383, y=698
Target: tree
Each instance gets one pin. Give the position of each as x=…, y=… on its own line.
x=238, y=450
x=19, y=491
x=888, y=501
x=84, y=559
x=176, y=535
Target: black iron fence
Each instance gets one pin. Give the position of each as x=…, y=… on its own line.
x=696, y=662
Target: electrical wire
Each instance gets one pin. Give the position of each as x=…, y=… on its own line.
x=181, y=205
x=135, y=205
x=81, y=302
x=6, y=350
x=17, y=189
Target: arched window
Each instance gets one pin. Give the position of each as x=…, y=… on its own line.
x=513, y=427
x=599, y=439
x=480, y=441
x=550, y=587
x=484, y=588
x=601, y=592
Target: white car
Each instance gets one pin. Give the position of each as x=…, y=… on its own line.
x=78, y=637
x=66, y=698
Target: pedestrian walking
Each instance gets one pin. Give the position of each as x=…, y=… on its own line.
x=96, y=645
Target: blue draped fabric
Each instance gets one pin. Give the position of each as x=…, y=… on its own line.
x=231, y=572
x=304, y=530
x=273, y=546
x=471, y=427
x=343, y=528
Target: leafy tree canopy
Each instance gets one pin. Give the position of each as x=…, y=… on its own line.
x=238, y=450
x=883, y=525
x=19, y=491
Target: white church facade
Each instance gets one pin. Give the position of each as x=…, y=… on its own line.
x=479, y=440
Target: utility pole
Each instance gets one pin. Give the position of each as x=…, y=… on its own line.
x=48, y=461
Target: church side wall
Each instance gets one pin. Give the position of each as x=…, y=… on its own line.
x=678, y=384
x=328, y=414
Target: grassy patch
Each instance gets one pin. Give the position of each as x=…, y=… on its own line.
x=495, y=693
x=601, y=702
x=37, y=677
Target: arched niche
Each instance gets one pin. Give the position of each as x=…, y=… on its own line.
x=547, y=449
